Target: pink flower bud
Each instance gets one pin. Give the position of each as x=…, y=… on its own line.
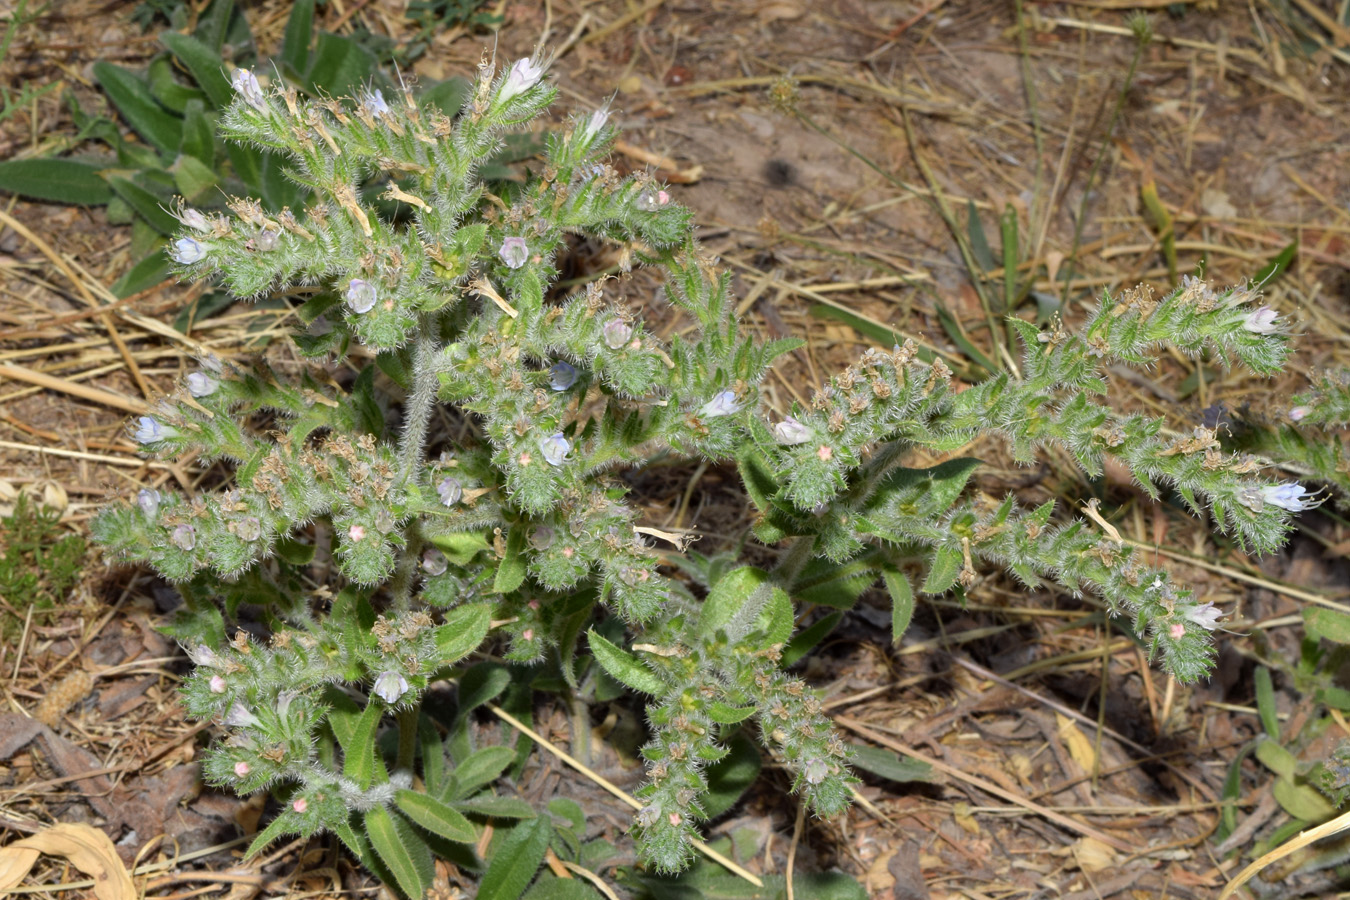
x=241, y=769
x=300, y=804
x=217, y=684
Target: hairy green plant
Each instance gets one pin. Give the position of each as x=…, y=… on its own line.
x=515, y=532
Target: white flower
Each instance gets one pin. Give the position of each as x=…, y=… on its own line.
x=361, y=295
x=616, y=333
x=267, y=240
x=187, y=251
x=434, y=562
x=648, y=815
x=194, y=219
x=245, y=84
x=541, y=538
x=200, y=385
x=594, y=122
x=390, y=686
x=1299, y=413
x=790, y=431
x=148, y=500
x=374, y=103
x=724, y=404
x=1262, y=321
x=1291, y=496
x=202, y=655
x=561, y=376
x=451, y=491
x=1206, y=615
x=184, y=537
x=514, y=252
x=555, y=449
x=648, y=201
x=149, y=431
x=816, y=770
x=524, y=74
x=240, y=717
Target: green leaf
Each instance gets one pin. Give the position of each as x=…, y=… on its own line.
x=294, y=551
x=731, y=592
x=726, y=714
x=979, y=241
x=1007, y=225
x=436, y=817
x=295, y=45
x=193, y=178
x=623, y=666
x=481, y=684
x=515, y=860
x=199, y=139
x=889, y=765
x=147, y=273
x=432, y=752
x=58, y=180
x=1265, y=702
x=1272, y=270
x=945, y=568
x=825, y=583
x=551, y=888
x=394, y=363
x=931, y=491
x=1277, y=759
x=138, y=106
x=339, y=65
x=460, y=547
x=147, y=205
x=172, y=95
x=214, y=25
x=902, y=600
x=248, y=163
x=463, y=630
x=806, y=639
x=758, y=478
x=1331, y=624
x=282, y=824
x=731, y=776
x=511, y=568
x=1301, y=801
x=360, y=762
x=206, y=66
x=402, y=850
x=497, y=807
x=481, y=768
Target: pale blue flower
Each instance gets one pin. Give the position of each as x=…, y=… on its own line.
x=245, y=84
x=361, y=295
x=1261, y=321
x=390, y=686
x=514, y=252
x=187, y=251
x=724, y=404
x=616, y=333
x=1206, y=615
x=450, y=490
x=150, y=431
x=434, y=562
x=524, y=74
x=790, y=431
x=1291, y=496
x=373, y=102
x=184, y=537
x=561, y=376
x=148, y=500
x=201, y=385
x=194, y=219
x=555, y=449
x=240, y=717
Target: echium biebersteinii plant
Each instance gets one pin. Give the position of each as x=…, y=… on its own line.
x=521, y=537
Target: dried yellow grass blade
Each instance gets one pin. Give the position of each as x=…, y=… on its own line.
x=87, y=849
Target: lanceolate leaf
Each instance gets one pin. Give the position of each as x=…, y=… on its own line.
x=138, y=106
x=624, y=667
x=436, y=817
x=57, y=180
x=295, y=44
x=902, y=600
x=516, y=860
x=360, y=762
x=147, y=205
x=206, y=66
x=402, y=850
x=463, y=630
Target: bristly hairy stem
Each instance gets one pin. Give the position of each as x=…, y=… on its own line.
x=421, y=399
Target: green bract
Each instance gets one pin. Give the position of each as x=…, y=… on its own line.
x=423, y=545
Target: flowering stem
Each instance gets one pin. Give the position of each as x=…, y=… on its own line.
x=421, y=399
